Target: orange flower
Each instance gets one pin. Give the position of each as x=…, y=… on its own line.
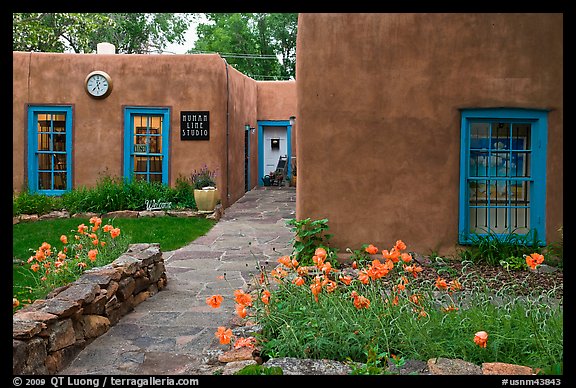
x=242, y=342
x=64, y=239
x=107, y=228
x=422, y=314
x=278, y=273
x=35, y=267
x=371, y=249
x=441, y=283
x=392, y=255
x=316, y=287
x=241, y=310
x=286, y=261
x=318, y=261
x=360, y=301
x=413, y=269
x=449, y=308
x=481, y=338
x=82, y=265
x=406, y=257
x=15, y=303
x=224, y=335
x=455, y=285
x=95, y=241
x=40, y=255
x=345, y=279
x=92, y=235
x=298, y=281
x=265, y=298
x=363, y=276
x=92, y=254
x=400, y=246
x=45, y=246
x=242, y=298
x=321, y=253
x=534, y=260
x=330, y=285
x=96, y=221
x=82, y=228
x=102, y=243
x=327, y=268
x=295, y=263
x=354, y=264
x=214, y=301
x=61, y=256
x=115, y=232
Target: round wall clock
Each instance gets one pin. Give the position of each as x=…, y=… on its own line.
x=98, y=84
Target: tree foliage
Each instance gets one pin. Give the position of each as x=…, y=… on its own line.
x=131, y=33
x=252, y=42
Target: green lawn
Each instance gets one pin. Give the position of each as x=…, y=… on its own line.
x=170, y=232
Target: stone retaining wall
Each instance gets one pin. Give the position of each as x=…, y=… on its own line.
x=49, y=333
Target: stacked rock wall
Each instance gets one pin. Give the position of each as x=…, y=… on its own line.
x=49, y=333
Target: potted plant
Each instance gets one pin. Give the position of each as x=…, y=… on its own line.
x=206, y=194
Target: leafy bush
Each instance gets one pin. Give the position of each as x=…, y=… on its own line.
x=308, y=236
x=28, y=203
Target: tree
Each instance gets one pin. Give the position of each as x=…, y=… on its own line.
x=131, y=33
x=252, y=42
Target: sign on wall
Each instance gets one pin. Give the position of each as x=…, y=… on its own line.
x=194, y=125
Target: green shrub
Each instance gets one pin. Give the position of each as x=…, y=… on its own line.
x=28, y=203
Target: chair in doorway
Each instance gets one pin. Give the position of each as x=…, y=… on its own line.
x=279, y=175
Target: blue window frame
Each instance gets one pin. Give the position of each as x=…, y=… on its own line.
x=49, y=149
x=146, y=142
x=503, y=172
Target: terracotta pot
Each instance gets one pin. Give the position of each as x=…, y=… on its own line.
x=206, y=200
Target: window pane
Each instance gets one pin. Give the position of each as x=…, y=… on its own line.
x=45, y=180
x=521, y=136
x=500, y=164
x=477, y=192
x=43, y=142
x=479, y=220
x=520, y=164
x=140, y=164
x=479, y=135
x=155, y=144
x=60, y=181
x=478, y=163
x=501, y=136
x=520, y=220
x=155, y=177
x=155, y=124
x=59, y=143
x=156, y=164
x=44, y=161
x=60, y=161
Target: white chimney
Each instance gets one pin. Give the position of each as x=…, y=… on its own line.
x=105, y=48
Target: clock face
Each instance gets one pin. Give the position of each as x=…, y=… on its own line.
x=98, y=84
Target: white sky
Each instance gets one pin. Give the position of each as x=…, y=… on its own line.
x=189, y=39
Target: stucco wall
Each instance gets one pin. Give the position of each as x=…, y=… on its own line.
x=177, y=82
x=379, y=121
x=277, y=101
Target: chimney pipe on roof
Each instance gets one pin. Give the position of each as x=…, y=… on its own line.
x=105, y=48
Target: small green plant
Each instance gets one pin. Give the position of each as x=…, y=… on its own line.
x=260, y=370
x=28, y=203
x=376, y=363
x=308, y=236
x=514, y=263
x=492, y=248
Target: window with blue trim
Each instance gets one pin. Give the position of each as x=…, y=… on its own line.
x=503, y=173
x=49, y=149
x=146, y=137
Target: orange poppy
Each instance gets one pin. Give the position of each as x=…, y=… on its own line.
x=82, y=228
x=441, y=283
x=455, y=285
x=15, y=303
x=82, y=265
x=392, y=255
x=242, y=342
x=286, y=261
x=265, y=298
x=214, y=301
x=241, y=311
x=115, y=232
x=35, y=267
x=413, y=269
x=298, y=281
x=361, y=301
x=321, y=253
x=107, y=228
x=371, y=249
x=449, y=308
x=534, y=260
x=364, y=277
x=316, y=287
x=64, y=239
x=481, y=338
x=345, y=279
x=224, y=335
x=92, y=254
x=330, y=285
x=406, y=257
x=354, y=264
x=400, y=246
x=242, y=298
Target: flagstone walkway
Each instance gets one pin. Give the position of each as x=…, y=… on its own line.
x=172, y=332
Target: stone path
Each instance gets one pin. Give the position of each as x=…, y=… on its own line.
x=173, y=331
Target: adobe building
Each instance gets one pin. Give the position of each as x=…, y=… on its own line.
x=427, y=128
x=163, y=117
x=430, y=127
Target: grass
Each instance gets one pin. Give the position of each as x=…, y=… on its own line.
x=160, y=230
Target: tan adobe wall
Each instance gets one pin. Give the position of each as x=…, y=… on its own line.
x=379, y=121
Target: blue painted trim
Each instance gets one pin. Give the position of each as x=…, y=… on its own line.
x=129, y=113
x=539, y=135
x=273, y=123
x=249, y=159
x=32, y=158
